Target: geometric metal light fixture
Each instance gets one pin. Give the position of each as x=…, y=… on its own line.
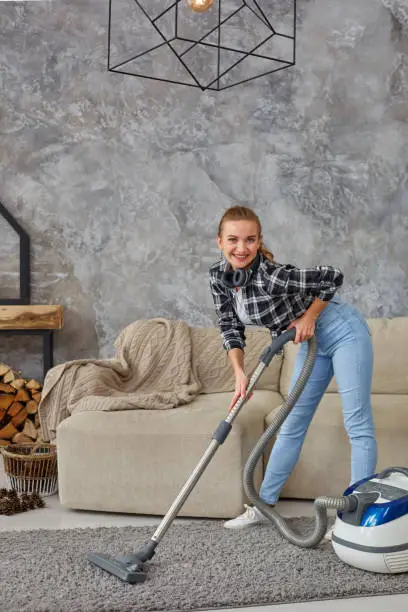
x=232, y=42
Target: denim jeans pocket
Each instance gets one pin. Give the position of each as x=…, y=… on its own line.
x=362, y=320
x=329, y=313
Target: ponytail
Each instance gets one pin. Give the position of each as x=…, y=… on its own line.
x=265, y=252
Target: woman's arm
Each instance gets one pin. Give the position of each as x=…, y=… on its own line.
x=233, y=336
x=315, y=308
x=231, y=329
x=321, y=281
x=305, y=325
x=236, y=357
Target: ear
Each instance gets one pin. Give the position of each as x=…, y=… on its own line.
x=219, y=242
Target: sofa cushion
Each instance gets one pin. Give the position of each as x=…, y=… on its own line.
x=138, y=460
x=390, y=340
x=324, y=464
x=213, y=367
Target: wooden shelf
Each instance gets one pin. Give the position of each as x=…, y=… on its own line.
x=31, y=316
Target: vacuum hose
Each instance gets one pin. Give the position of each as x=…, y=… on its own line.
x=131, y=567
x=321, y=504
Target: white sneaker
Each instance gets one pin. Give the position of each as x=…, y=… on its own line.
x=251, y=516
x=329, y=534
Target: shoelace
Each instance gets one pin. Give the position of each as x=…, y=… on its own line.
x=249, y=512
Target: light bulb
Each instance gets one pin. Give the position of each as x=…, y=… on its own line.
x=199, y=6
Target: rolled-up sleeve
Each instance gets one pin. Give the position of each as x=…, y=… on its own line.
x=231, y=329
x=321, y=281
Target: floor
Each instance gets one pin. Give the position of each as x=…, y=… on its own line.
x=53, y=516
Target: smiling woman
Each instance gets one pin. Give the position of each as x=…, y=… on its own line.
x=240, y=237
x=239, y=242
x=250, y=288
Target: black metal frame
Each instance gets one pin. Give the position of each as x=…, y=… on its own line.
x=25, y=294
x=47, y=343
x=213, y=85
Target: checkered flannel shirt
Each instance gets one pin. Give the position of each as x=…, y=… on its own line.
x=275, y=296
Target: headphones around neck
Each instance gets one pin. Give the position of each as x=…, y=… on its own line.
x=241, y=276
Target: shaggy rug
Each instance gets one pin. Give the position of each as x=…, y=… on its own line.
x=198, y=565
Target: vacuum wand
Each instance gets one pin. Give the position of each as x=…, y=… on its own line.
x=131, y=568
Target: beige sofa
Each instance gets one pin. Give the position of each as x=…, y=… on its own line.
x=136, y=461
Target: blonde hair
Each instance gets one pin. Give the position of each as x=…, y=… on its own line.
x=243, y=213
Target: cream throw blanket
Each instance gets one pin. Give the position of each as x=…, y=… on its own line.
x=153, y=368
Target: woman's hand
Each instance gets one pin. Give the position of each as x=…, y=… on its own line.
x=305, y=327
x=241, y=384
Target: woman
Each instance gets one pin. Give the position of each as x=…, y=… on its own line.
x=281, y=297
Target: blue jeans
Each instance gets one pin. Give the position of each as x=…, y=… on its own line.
x=345, y=350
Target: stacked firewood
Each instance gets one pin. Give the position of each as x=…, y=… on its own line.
x=19, y=399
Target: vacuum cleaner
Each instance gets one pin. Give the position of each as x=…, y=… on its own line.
x=375, y=536
x=352, y=538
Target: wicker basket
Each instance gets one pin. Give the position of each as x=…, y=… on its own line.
x=31, y=468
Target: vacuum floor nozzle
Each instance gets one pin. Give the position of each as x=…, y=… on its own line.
x=129, y=569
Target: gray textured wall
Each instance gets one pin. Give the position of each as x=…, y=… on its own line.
x=120, y=181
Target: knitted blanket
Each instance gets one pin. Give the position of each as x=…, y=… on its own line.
x=152, y=369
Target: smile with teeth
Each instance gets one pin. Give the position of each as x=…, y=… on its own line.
x=241, y=258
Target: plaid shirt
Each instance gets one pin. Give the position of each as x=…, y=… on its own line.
x=276, y=295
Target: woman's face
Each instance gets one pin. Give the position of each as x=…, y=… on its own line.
x=239, y=242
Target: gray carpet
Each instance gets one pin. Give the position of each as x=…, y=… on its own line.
x=197, y=565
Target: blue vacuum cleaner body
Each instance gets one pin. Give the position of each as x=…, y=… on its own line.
x=374, y=537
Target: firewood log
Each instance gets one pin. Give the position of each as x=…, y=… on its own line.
x=33, y=384
x=22, y=396
x=9, y=377
x=21, y=438
x=4, y=419
x=4, y=369
x=18, y=383
x=15, y=409
x=32, y=407
x=5, y=388
x=20, y=417
x=6, y=400
x=29, y=429
x=7, y=432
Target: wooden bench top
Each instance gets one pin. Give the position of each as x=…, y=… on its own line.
x=31, y=316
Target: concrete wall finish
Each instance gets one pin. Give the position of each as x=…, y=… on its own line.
x=120, y=181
